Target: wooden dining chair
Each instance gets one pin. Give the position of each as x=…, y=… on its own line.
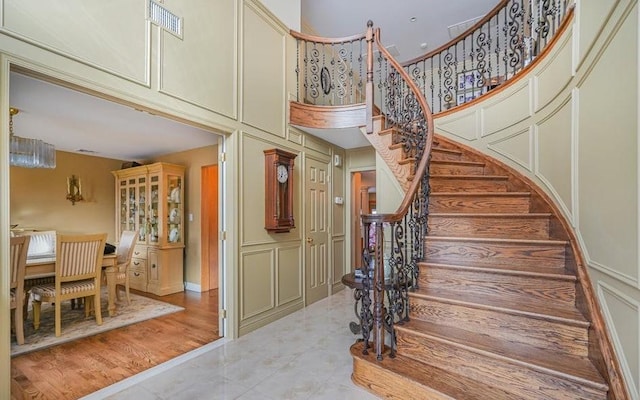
x=18, y=254
x=128, y=241
x=78, y=269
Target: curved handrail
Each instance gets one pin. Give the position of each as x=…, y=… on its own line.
x=405, y=109
x=320, y=39
x=426, y=110
x=492, y=51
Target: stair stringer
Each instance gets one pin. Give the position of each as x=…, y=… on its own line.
x=391, y=157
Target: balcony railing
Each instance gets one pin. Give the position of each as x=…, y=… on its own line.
x=489, y=53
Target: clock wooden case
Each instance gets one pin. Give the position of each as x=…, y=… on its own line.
x=278, y=211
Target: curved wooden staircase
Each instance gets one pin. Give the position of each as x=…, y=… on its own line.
x=496, y=315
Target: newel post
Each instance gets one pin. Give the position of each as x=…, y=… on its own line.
x=369, y=84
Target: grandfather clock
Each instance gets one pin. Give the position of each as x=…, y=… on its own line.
x=278, y=206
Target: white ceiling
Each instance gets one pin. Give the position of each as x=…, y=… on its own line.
x=339, y=18
x=78, y=122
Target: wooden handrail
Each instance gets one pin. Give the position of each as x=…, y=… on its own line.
x=426, y=110
x=319, y=39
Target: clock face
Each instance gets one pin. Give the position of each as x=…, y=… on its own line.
x=282, y=173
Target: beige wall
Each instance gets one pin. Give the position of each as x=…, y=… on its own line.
x=193, y=160
x=571, y=125
x=38, y=196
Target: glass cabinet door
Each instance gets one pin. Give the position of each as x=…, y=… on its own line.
x=123, y=217
x=141, y=223
x=174, y=209
x=154, y=193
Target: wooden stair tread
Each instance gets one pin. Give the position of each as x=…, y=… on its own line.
x=432, y=378
x=540, y=310
x=469, y=177
x=543, y=242
x=579, y=369
x=491, y=215
x=445, y=150
x=458, y=162
x=479, y=194
x=504, y=271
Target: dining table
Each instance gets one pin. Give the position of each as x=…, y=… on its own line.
x=46, y=267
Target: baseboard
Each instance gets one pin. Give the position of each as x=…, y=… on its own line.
x=192, y=287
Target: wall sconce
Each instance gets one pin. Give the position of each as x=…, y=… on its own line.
x=74, y=189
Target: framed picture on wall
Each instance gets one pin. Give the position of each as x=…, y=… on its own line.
x=470, y=85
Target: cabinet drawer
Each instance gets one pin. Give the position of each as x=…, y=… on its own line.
x=138, y=274
x=140, y=252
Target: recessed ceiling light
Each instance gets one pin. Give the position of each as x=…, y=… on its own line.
x=423, y=45
x=413, y=19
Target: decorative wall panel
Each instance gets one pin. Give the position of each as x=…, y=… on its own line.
x=608, y=156
x=289, y=274
x=622, y=314
x=554, y=156
x=515, y=147
x=554, y=76
x=110, y=35
x=263, y=76
x=464, y=125
x=201, y=68
x=257, y=286
x=499, y=115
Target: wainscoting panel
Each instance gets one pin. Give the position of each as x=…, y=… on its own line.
x=516, y=147
x=463, y=125
x=208, y=79
x=555, y=75
x=257, y=286
x=262, y=71
x=591, y=19
x=553, y=152
x=498, y=115
x=622, y=314
x=608, y=154
x=289, y=274
x=338, y=250
x=121, y=31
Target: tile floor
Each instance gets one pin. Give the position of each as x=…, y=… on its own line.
x=304, y=355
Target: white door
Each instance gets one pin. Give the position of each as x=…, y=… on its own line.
x=317, y=230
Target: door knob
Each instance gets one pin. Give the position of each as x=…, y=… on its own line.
x=309, y=240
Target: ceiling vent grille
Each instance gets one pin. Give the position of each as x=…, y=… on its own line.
x=458, y=29
x=165, y=18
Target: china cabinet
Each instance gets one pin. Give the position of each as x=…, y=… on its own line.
x=150, y=200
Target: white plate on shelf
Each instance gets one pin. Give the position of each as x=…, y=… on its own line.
x=173, y=215
x=174, y=235
x=175, y=195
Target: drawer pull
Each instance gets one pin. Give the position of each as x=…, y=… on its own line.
x=136, y=274
x=136, y=263
x=153, y=265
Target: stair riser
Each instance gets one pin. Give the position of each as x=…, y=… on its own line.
x=549, y=257
x=479, y=204
x=453, y=169
x=495, y=285
x=514, y=328
x=446, y=184
x=389, y=385
x=436, y=154
x=489, y=227
x=525, y=382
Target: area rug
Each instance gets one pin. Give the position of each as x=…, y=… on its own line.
x=75, y=325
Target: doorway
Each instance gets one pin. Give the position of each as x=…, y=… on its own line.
x=209, y=228
x=363, y=186
x=317, y=230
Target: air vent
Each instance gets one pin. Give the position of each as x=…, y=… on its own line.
x=165, y=19
x=458, y=29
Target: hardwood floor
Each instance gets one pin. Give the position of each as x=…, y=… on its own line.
x=75, y=369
